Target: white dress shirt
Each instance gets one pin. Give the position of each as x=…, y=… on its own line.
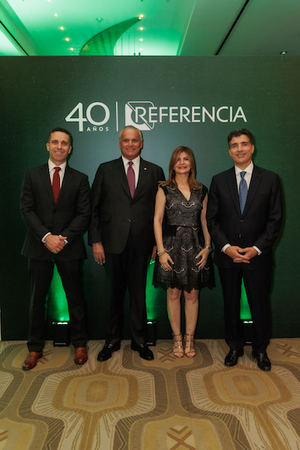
x=61, y=174
x=247, y=176
x=135, y=166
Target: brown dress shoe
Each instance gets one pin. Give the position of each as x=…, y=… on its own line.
x=81, y=355
x=31, y=360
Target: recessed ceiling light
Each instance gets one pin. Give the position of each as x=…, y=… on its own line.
x=67, y=39
x=283, y=52
x=141, y=39
x=71, y=49
x=141, y=16
x=141, y=28
x=55, y=15
x=62, y=28
x=99, y=19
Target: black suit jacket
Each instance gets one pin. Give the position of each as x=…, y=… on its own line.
x=68, y=217
x=259, y=225
x=115, y=214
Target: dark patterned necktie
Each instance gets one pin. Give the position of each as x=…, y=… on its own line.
x=131, y=178
x=243, y=191
x=56, y=184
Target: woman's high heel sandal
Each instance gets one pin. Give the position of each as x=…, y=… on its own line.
x=177, y=346
x=189, y=349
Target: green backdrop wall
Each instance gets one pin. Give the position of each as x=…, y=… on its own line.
x=194, y=101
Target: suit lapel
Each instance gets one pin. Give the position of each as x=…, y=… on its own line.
x=142, y=180
x=254, y=183
x=231, y=181
x=122, y=175
x=66, y=182
x=46, y=183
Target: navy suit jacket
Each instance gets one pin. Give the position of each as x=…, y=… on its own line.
x=259, y=225
x=68, y=217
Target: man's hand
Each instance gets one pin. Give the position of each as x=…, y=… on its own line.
x=240, y=255
x=55, y=243
x=99, y=253
x=248, y=254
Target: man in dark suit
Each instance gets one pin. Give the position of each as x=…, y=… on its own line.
x=55, y=204
x=121, y=233
x=244, y=215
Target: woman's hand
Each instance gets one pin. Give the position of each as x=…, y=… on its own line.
x=166, y=261
x=202, y=256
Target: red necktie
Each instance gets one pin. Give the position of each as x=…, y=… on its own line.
x=56, y=184
x=131, y=178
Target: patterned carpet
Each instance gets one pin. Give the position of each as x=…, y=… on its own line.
x=129, y=403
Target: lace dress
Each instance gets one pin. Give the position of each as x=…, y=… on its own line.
x=183, y=239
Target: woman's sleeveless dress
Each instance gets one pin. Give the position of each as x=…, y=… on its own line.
x=183, y=239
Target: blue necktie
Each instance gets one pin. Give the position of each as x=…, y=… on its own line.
x=243, y=191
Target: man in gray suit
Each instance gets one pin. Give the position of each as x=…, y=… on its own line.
x=55, y=204
x=121, y=234
x=244, y=215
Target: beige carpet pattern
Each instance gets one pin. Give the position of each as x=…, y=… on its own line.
x=168, y=403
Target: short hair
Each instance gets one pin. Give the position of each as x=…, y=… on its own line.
x=131, y=127
x=237, y=133
x=61, y=130
x=193, y=183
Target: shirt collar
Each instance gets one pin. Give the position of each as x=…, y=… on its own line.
x=51, y=165
x=248, y=169
x=135, y=160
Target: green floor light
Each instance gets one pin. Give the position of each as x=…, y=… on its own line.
x=57, y=305
x=245, y=313
x=151, y=294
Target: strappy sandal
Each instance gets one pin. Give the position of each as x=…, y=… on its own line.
x=189, y=348
x=177, y=346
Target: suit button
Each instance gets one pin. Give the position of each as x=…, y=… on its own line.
x=129, y=220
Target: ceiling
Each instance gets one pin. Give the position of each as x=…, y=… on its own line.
x=149, y=27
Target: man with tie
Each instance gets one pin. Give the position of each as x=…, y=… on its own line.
x=244, y=216
x=55, y=204
x=121, y=234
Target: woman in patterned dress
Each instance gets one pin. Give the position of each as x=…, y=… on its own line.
x=183, y=245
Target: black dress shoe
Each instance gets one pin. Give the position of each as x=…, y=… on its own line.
x=263, y=362
x=143, y=350
x=232, y=357
x=107, y=351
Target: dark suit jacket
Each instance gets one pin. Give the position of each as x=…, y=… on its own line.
x=68, y=217
x=260, y=222
x=115, y=213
